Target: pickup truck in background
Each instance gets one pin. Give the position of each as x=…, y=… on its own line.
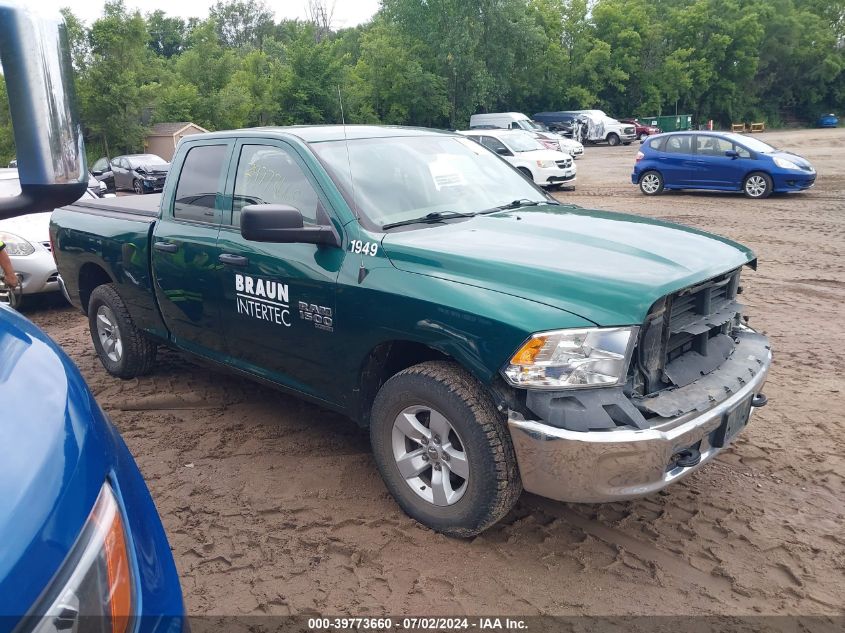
x=490, y=338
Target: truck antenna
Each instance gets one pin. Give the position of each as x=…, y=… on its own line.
x=362, y=271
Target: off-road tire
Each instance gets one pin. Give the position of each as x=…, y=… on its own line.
x=613, y=139
x=139, y=353
x=759, y=177
x=493, y=485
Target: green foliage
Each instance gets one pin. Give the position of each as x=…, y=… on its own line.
x=436, y=62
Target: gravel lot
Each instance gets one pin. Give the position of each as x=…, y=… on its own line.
x=274, y=506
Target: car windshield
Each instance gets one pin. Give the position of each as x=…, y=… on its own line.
x=752, y=143
x=401, y=178
x=146, y=159
x=9, y=187
x=521, y=142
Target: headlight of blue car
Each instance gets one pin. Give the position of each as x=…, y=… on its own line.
x=93, y=589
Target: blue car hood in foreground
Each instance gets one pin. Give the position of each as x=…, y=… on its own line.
x=606, y=267
x=53, y=459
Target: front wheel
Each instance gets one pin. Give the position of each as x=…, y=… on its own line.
x=443, y=449
x=613, y=140
x=122, y=348
x=651, y=183
x=137, y=187
x=757, y=185
x=527, y=173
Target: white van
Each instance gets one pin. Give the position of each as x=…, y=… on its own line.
x=518, y=121
x=546, y=167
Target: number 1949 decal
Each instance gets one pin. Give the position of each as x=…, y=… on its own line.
x=367, y=248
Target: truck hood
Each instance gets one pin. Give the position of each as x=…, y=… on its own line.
x=52, y=460
x=606, y=267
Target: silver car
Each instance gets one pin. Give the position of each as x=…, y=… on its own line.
x=27, y=241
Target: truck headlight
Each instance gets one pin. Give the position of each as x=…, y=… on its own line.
x=785, y=164
x=94, y=580
x=569, y=359
x=546, y=164
x=16, y=245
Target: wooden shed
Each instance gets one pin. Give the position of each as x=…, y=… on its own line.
x=163, y=137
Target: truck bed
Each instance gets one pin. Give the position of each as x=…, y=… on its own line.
x=108, y=241
x=145, y=206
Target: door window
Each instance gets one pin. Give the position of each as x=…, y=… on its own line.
x=271, y=175
x=679, y=144
x=707, y=145
x=495, y=144
x=101, y=165
x=199, y=183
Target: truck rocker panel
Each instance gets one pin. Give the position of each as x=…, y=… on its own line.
x=488, y=336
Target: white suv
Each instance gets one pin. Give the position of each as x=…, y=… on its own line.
x=546, y=167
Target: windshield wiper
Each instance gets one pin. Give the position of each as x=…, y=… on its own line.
x=518, y=204
x=434, y=216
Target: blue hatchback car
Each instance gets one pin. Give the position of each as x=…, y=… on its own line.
x=720, y=161
x=81, y=544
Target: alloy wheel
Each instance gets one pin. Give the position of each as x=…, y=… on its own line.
x=755, y=186
x=430, y=455
x=650, y=183
x=108, y=334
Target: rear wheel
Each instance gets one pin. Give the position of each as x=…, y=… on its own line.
x=137, y=187
x=443, y=449
x=757, y=185
x=613, y=139
x=651, y=183
x=122, y=348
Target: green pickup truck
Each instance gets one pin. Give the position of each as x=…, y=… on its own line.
x=490, y=338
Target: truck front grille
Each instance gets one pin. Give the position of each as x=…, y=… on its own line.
x=688, y=333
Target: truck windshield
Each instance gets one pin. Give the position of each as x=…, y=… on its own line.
x=400, y=178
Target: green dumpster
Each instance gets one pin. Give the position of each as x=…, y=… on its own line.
x=670, y=123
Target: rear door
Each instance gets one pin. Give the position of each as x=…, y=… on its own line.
x=185, y=254
x=712, y=167
x=676, y=160
x=278, y=300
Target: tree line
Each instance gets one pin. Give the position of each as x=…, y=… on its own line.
x=435, y=62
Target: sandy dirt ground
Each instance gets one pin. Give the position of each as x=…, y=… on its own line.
x=273, y=506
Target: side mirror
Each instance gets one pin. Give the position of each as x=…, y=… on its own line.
x=503, y=151
x=48, y=138
x=282, y=224
x=731, y=153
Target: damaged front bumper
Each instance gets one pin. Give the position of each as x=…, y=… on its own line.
x=623, y=463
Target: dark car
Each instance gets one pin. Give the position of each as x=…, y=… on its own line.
x=721, y=161
x=101, y=170
x=643, y=130
x=141, y=173
x=558, y=122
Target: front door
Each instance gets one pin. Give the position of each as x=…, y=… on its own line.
x=712, y=167
x=278, y=300
x=120, y=170
x=185, y=253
